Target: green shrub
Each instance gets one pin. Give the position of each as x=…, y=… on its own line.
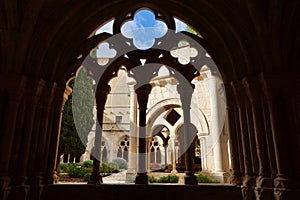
x=61, y=177
x=152, y=179
x=168, y=179
x=83, y=170
x=114, y=166
x=108, y=168
x=78, y=171
x=88, y=163
x=75, y=170
x=173, y=178
x=87, y=176
x=122, y=163
x=63, y=167
x=204, y=179
x=164, y=179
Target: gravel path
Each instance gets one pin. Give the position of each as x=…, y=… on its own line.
x=116, y=178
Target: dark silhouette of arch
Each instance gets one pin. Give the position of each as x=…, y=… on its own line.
x=179, y=134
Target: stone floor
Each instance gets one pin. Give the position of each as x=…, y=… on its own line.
x=114, y=188
x=119, y=178
x=138, y=192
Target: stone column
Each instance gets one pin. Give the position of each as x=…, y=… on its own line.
x=235, y=161
x=274, y=94
x=239, y=93
x=49, y=133
x=239, y=138
x=269, y=138
x=15, y=92
x=34, y=90
x=248, y=179
x=263, y=177
x=253, y=92
x=215, y=123
x=39, y=141
x=132, y=157
x=142, y=97
x=167, y=157
x=101, y=97
x=61, y=96
x=185, y=91
x=172, y=141
x=203, y=153
x=251, y=135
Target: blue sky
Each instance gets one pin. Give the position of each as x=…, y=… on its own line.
x=143, y=29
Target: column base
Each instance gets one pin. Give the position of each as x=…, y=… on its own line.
x=264, y=182
x=236, y=180
x=282, y=193
x=190, y=179
x=4, y=187
x=141, y=178
x=4, y=192
x=51, y=178
x=19, y=192
x=174, y=171
x=36, y=186
x=222, y=177
x=281, y=182
x=35, y=192
x=95, y=179
x=264, y=193
x=130, y=176
x=249, y=181
x=248, y=193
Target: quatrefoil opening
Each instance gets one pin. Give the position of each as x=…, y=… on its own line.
x=144, y=29
x=184, y=52
x=104, y=53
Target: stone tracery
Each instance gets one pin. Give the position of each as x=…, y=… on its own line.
x=182, y=70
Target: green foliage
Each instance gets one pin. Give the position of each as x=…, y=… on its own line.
x=63, y=167
x=152, y=179
x=61, y=177
x=88, y=163
x=108, y=168
x=121, y=162
x=84, y=170
x=164, y=179
x=204, y=179
x=75, y=170
x=84, y=104
x=87, y=176
x=73, y=139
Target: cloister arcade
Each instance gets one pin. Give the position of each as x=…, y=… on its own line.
x=254, y=44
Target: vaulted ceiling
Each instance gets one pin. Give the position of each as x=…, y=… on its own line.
x=44, y=38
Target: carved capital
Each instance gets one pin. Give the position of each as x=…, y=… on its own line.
x=252, y=88
x=60, y=97
x=101, y=96
x=229, y=95
x=280, y=193
x=239, y=93
x=49, y=94
x=142, y=95
x=35, y=89
x=185, y=91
